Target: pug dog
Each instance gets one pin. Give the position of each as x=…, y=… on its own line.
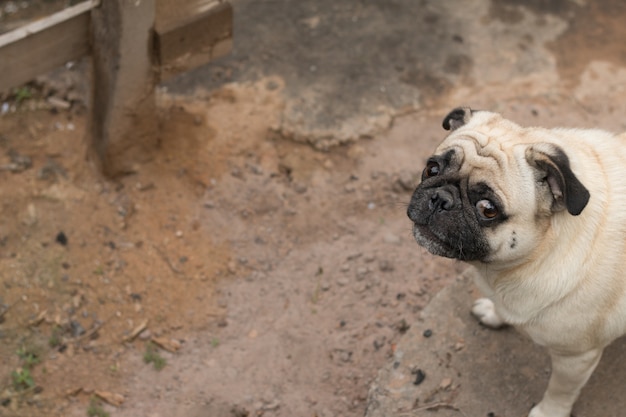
x=541, y=215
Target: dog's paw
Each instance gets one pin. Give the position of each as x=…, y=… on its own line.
x=484, y=310
x=538, y=411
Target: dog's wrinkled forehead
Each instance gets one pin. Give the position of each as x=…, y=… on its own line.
x=481, y=136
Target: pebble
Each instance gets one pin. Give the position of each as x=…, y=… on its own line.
x=76, y=328
x=420, y=376
x=145, y=335
x=445, y=383
x=427, y=333
x=343, y=281
x=402, y=326
x=391, y=238
x=355, y=255
x=379, y=342
x=385, y=266
x=406, y=180
x=300, y=188
x=362, y=272
x=61, y=239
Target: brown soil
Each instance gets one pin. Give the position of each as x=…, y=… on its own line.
x=225, y=205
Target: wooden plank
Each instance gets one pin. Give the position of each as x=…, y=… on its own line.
x=47, y=22
x=191, y=33
x=45, y=44
x=123, y=124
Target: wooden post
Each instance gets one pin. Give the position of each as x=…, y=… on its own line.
x=134, y=45
x=123, y=123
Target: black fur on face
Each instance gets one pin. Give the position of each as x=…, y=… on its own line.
x=444, y=216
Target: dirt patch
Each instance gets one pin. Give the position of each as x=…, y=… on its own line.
x=193, y=257
x=589, y=37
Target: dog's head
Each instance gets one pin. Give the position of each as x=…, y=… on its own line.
x=489, y=191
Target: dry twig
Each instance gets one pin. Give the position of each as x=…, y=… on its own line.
x=434, y=407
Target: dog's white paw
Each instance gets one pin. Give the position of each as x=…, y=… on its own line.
x=537, y=411
x=484, y=310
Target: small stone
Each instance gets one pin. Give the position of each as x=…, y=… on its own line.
x=427, y=333
x=61, y=239
x=445, y=383
x=343, y=281
x=391, y=238
x=345, y=356
x=361, y=272
x=145, y=335
x=420, y=376
x=379, y=342
x=300, y=188
x=406, y=180
x=355, y=255
x=385, y=266
x=402, y=326
x=76, y=328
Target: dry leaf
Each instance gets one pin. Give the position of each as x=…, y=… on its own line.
x=170, y=345
x=37, y=320
x=110, y=397
x=74, y=391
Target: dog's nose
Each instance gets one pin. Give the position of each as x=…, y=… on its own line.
x=441, y=200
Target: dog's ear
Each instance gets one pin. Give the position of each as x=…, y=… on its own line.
x=457, y=118
x=553, y=164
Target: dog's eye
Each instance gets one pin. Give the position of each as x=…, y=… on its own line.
x=432, y=170
x=487, y=210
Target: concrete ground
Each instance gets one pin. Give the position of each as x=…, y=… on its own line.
x=350, y=67
x=468, y=370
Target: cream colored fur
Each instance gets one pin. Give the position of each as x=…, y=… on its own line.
x=564, y=281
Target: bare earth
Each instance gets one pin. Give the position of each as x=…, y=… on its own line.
x=270, y=265
x=274, y=278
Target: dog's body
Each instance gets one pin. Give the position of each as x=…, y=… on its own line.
x=541, y=214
